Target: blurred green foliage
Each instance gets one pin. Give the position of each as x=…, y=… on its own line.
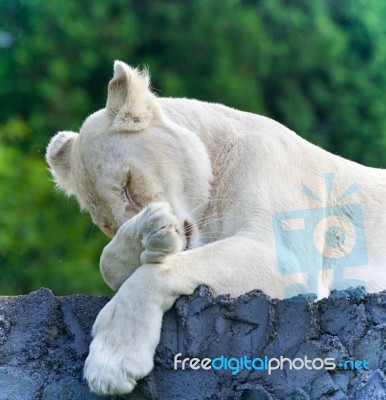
x=318, y=66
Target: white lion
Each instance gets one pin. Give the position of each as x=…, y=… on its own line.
x=197, y=193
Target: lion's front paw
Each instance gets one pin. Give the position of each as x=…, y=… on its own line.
x=162, y=234
x=115, y=368
x=106, y=377
x=120, y=353
x=147, y=238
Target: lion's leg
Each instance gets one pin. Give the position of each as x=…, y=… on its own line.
x=128, y=328
x=121, y=257
x=126, y=333
x=148, y=237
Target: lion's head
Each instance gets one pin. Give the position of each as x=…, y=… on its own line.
x=130, y=154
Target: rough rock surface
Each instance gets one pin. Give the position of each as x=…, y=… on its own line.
x=44, y=342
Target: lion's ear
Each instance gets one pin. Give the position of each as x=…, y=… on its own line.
x=58, y=156
x=130, y=103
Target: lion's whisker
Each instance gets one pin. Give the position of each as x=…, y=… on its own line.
x=206, y=202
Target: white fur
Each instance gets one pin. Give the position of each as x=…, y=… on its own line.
x=143, y=166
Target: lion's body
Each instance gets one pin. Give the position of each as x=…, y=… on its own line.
x=261, y=167
x=167, y=175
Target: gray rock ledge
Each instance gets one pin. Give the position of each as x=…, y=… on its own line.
x=44, y=342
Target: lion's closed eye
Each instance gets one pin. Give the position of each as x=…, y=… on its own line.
x=129, y=197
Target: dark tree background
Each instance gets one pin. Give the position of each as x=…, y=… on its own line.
x=318, y=66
